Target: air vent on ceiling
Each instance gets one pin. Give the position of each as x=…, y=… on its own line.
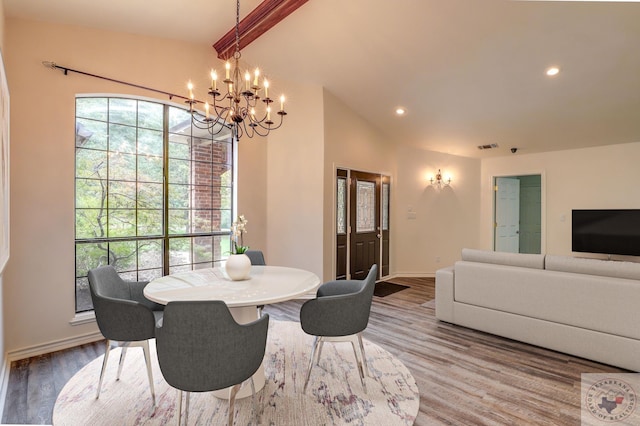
x=489, y=146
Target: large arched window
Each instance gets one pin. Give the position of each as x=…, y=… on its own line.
x=153, y=193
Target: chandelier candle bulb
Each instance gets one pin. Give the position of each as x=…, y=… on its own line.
x=206, y=110
x=247, y=78
x=256, y=74
x=214, y=78
x=190, y=87
x=266, y=89
x=227, y=67
x=268, y=113
x=282, y=103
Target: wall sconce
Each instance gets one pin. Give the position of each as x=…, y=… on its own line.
x=439, y=181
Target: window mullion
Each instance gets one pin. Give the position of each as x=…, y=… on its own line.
x=165, y=188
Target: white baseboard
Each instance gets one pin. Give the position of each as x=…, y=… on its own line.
x=56, y=345
x=411, y=275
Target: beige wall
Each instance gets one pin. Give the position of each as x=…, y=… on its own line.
x=252, y=191
x=38, y=282
x=432, y=225
x=2, y=321
x=294, y=182
x=351, y=143
x=2, y=25
x=602, y=177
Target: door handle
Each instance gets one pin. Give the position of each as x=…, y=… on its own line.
x=379, y=236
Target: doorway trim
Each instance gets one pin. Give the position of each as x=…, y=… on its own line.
x=334, y=226
x=543, y=205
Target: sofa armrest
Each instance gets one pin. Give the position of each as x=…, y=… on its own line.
x=444, y=294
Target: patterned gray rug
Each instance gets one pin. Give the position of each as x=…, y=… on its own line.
x=334, y=396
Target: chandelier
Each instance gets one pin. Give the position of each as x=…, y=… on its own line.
x=238, y=101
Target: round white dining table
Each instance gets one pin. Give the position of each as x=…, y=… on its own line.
x=265, y=285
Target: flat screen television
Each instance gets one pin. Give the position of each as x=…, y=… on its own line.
x=606, y=231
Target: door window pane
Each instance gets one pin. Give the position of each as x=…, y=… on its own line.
x=341, y=213
x=385, y=206
x=365, y=206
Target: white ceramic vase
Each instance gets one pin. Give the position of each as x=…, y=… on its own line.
x=238, y=267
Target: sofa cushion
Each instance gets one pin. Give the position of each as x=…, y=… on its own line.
x=603, y=268
x=605, y=304
x=499, y=258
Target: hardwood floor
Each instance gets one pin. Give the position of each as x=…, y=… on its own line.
x=465, y=377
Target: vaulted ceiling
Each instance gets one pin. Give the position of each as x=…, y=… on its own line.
x=468, y=72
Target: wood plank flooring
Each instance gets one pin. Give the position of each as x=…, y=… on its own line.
x=465, y=377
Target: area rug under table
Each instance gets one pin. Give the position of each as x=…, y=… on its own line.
x=334, y=395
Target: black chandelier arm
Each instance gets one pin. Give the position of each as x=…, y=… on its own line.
x=209, y=124
x=269, y=127
x=217, y=132
x=248, y=130
x=250, y=101
x=252, y=130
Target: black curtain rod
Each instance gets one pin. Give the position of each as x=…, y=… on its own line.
x=53, y=65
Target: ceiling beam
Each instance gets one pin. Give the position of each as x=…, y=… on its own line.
x=257, y=22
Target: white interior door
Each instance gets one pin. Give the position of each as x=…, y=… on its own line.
x=507, y=228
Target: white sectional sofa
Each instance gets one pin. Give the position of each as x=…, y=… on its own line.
x=585, y=307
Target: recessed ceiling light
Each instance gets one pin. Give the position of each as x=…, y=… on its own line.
x=400, y=111
x=552, y=71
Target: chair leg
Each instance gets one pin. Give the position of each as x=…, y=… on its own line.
x=317, y=341
x=359, y=364
x=186, y=409
x=124, y=347
x=253, y=400
x=364, y=357
x=319, y=350
x=179, y=407
x=147, y=360
x=104, y=366
x=232, y=401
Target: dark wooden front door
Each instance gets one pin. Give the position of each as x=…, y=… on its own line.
x=365, y=223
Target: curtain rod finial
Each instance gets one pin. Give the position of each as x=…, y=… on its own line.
x=49, y=64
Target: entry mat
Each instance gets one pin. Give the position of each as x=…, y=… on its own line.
x=385, y=288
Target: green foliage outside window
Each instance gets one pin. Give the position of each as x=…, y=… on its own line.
x=122, y=215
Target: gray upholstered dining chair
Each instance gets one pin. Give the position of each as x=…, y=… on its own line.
x=256, y=257
x=124, y=316
x=339, y=313
x=201, y=348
